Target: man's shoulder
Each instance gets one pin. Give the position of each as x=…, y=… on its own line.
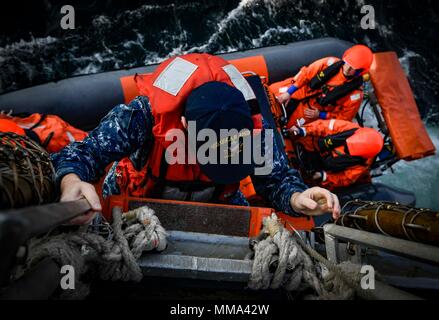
x=140, y=102
x=139, y=105
x=326, y=62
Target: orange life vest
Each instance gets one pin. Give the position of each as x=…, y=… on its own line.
x=168, y=89
x=7, y=125
x=49, y=131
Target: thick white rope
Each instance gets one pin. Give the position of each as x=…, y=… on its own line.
x=298, y=268
x=134, y=233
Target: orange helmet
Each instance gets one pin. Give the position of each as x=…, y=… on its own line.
x=365, y=142
x=10, y=126
x=359, y=57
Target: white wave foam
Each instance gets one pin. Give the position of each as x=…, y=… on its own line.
x=239, y=15
x=384, y=30
x=27, y=45
x=405, y=60
x=222, y=26
x=272, y=33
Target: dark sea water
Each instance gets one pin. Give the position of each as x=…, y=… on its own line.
x=116, y=34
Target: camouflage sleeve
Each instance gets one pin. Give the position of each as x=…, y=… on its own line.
x=124, y=131
x=278, y=186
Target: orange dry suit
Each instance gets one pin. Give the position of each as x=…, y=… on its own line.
x=322, y=85
x=341, y=150
x=50, y=131
x=158, y=179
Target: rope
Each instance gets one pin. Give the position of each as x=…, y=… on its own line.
x=284, y=261
x=27, y=176
x=134, y=233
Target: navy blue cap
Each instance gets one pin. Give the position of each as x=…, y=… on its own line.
x=216, y=106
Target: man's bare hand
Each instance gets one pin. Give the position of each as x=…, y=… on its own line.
x=312, y=113
x=284, y=98
x=315, y=202
x=294, y=130
x=72, y=188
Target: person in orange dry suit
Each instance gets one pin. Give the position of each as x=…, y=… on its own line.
x=329, y=88
x=337, y=153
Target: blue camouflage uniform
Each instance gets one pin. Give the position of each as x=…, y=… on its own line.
x=127, y=131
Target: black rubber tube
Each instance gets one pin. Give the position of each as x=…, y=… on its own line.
x=84, y=100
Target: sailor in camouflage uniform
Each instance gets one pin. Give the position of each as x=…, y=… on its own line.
x=128, y=131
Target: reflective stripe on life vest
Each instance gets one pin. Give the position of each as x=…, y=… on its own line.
x=176, y=74
x=239, y=82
